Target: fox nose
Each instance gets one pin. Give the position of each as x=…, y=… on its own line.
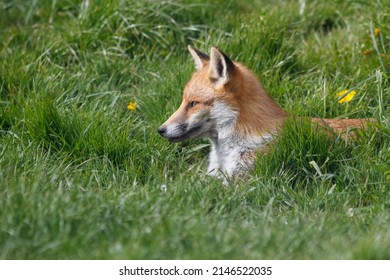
x=161, y=130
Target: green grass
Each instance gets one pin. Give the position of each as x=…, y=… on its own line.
x=81, y=177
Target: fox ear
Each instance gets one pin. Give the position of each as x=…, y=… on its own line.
x=199, y=57
x=221, y=67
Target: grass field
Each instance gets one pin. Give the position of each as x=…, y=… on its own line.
x=84, y=177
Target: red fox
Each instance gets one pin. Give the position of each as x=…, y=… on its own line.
x=226, y=103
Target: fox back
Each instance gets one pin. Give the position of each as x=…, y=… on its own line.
x=225, y=102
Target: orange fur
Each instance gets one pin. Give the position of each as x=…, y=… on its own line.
x=225, y=102
x=342, y=126
x=259, y=113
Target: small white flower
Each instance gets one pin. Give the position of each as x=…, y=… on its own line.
x=163, y=188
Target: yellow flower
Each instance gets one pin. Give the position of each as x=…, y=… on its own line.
x=377, y=31
x=132, y=105
x=345, y=98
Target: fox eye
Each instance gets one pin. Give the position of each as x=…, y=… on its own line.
x=192, y=104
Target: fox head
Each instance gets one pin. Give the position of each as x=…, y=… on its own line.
x=204, y=103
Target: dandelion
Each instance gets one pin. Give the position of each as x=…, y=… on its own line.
x=345, y=98
x=132, y=105
x=367, y=52
x=377, y=31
